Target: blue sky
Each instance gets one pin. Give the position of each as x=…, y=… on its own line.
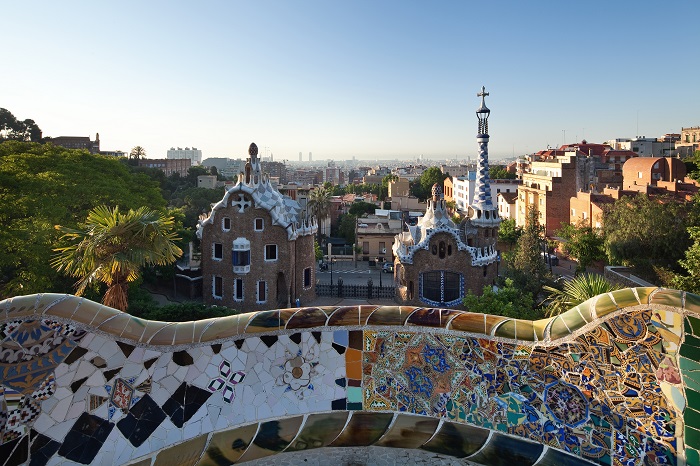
x=371, y=79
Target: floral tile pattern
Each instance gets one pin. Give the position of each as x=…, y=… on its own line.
x=615, y=387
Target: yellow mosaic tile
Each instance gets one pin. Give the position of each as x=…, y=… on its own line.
x=47, y=300
x=667, y=297
x=115, y=325
x=272, y=437
x=604, y=305
x=644, y=292
x=409, y=431
x=347, y=315
x=184, y=333
x=389, y=315
x=469, y=322
x=226, y=327
x=573, y=318
x=165, y=335
x=307, y=318
x=264, y=321
x=21, y=306
x=625, y=298
x=585, y=311
x=152, y=327
x=68, y=307
x=540, y=326
x=492, y=323
x=517, y=329
x=200, y=327
x=228, y=445
x=101, y=314
x=184, y=454
x=558, y=329
x=286, y=314
x=134, y=328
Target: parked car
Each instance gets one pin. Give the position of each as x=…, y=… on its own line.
x=550, y=258
x=388, y=267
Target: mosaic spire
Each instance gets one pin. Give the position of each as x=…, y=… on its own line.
x=482, y=205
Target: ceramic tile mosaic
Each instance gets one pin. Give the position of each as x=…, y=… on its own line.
x=614, y=381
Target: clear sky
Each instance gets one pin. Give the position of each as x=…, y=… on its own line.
x=340, y=78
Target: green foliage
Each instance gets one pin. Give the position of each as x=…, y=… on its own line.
x=185, y=312
x=508, y=301
x=645, y=232
x=358, y=209
x=114, y=247
x=317, y=251
x=45, y=185
x=346, y=227
x=422, y=187
x=320, y=204
x=12, y=129
x=499, y=172
x=508, y=232
x=583, y=243
x=575, y=291
x=691, y=263
x=527, y=269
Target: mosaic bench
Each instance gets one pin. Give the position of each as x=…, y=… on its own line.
x=613, y=381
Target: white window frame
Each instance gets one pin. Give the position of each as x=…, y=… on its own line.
x=235, y=286
x=213, y=251
x=223, y=224
x=257, y=292
x=255, y=224
x=277, y=253
x=213, y=286
x=241, y=245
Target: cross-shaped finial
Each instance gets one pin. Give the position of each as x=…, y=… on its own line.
x=241, y=203
x=482, y=93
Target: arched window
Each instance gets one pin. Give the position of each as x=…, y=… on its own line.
x=449, y=249
x=442, y=249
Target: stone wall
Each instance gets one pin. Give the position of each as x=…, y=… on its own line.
x=611, y=381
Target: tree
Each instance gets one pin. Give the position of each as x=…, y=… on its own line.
x=508, y=301
x=112, y=249
x=422, y=187
x=137, y=153
x=12, y=129
x=647, y=233
x=499, y=172
x=358, y=209
x=346, y=227
x=320, y=204
x=508, y=232
x=42, y=185
x=575, y=291
x=583, y=243
x=527, y=269
x=691, y=263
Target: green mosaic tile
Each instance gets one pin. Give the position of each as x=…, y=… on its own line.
x=604, y=305
x=644, y=292
x=264, y=321
x=692, y=303
x=688, y=364
x=692, y=325
x=690, y=340
x=693, y=398
x=558, y=329
x=625, y=298
x=691, y=384
x=586, y=311
x=540, y=327
x=389, y=315
x=517, y=329
x=354, y=394
x=692, y=418
x=692, y=437
x=506, y=329
x=692, y=456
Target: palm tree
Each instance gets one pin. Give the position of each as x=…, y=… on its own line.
x=581, y=288
x=320, y=203
x=113, y=248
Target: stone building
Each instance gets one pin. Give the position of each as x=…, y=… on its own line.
x=436, y=261
x=257, y=246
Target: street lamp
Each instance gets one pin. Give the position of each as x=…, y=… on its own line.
x=381, y=272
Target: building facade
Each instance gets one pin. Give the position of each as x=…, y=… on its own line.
x=257, y=246
x=438, y=262
x=168, y=166
x=194, y=154
x=78, y=142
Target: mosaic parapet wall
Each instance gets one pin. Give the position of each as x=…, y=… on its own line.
x=612, y=381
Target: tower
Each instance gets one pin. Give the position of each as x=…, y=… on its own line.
x=482, y=211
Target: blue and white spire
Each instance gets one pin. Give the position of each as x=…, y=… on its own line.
x=482, y=210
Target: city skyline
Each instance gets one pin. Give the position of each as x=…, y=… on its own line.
x=341, y=80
